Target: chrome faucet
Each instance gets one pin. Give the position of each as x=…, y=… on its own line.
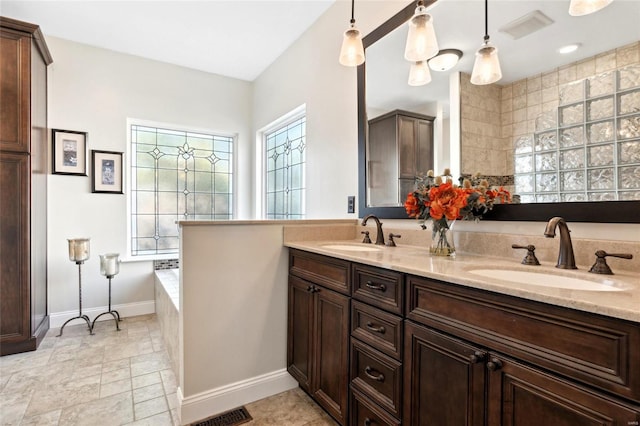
x=380, y=235
x=565, y=255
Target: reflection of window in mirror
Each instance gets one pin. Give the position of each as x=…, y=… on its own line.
x=568, y=134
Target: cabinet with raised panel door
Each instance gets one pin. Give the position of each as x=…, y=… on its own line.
x=477, y=358
x=318, y=329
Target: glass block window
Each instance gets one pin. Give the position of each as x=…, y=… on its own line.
x=176, y=175
x=284, y=169
x=589, y=147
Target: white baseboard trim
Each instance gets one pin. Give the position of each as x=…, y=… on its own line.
x=205, y=404
x=57, y=319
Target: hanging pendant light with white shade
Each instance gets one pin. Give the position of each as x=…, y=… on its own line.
x=419, y=74
x=486, y=69
x=421, y=40
x=352, y=51
x=585, y=7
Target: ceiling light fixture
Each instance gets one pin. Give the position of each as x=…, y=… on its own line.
x=486, y=69
x=419, y=74
x=570, y=48
x=445, y=59
x=421, y=40
x=585, y=7
x=352, y=51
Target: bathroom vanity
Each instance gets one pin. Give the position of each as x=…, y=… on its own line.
x=390, y=336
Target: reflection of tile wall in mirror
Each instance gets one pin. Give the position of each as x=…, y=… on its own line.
x=582, y=118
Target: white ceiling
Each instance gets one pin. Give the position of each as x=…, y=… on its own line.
x=459, y=24
x=238, y=38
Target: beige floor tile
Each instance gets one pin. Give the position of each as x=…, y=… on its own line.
x=112, y=388
x=169, y=381
x=162, y=419
x=148, y=392
x=151, y=407
x=13, y=406
x=115, y=365
x=51, y=418
x=115, y=375
x=146, y=380
x=148, y=363
x=287, y=408
x=113, y=410
x=64, y=394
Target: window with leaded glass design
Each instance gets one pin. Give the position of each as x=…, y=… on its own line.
x=284, y=169
x=176, y=175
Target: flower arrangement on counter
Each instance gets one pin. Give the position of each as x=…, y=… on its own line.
x=438, y=199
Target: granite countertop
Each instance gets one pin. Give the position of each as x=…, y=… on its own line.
x=623, y=304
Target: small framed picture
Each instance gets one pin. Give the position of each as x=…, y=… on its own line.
x=69, y=152
x=106, y=172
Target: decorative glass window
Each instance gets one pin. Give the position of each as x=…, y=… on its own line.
x=176, y=175
x=285, y=162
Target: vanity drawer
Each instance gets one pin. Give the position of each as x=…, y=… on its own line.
x=377, y=328
x=377, y=376
x=365, y=412
x=326, y=271
x=601, y=351
x=378, y=287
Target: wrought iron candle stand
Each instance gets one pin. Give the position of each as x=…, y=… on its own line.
x=109, y=267
x=78, y=252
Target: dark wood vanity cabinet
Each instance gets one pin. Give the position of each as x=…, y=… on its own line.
x=318, y=329
x=474, y=358
x=24, y=58
x=426, y=352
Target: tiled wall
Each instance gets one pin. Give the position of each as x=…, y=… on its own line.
x=495, y=118
x=166, y=264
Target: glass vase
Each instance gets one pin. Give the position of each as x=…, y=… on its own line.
x=442, y=243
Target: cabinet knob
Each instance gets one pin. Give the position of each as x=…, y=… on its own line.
x=310, y=288
x=380, y=329
x=373, y=286
x=367, y=421
x=494, y=365
x=369, y=372
x=477, y=357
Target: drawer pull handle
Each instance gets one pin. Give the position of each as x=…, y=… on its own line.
x=380, y=329
x=373, y=286
x=494, y=365
x=368, y=421
x=477, y=357
x=368, y=371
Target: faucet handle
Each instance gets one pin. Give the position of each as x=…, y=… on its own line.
x=530, y=258
x=392, y=243
x=601, y=267
x=366, y=239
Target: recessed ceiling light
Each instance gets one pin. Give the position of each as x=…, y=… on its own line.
x=569, y=48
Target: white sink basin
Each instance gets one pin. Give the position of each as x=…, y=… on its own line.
x=351, y=247
x=549, y=280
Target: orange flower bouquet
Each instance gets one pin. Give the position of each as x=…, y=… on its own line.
x=437, y=199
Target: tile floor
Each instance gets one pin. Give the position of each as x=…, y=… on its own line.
x=115, y=378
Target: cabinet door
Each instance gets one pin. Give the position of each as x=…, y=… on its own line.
x=522, y=396
x=444, y=380
x=407, y=140
x=300, y=331
x=15, y=67
x=330, y=383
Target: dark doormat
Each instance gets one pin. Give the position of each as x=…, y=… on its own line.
x=228, y=418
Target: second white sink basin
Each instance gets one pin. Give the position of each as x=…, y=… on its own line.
x=351, y=247
x=548, y=280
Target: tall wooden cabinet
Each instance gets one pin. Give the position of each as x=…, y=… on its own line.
x=24, y=58
x=400, y=147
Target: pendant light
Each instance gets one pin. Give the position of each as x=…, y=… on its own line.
x=421, y=40
x=486, y=69
x=419, y=74
x=585, y=7
x=352, y=51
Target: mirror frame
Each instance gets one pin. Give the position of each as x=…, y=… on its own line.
x=591, y=211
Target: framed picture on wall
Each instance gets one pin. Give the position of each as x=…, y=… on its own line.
x=106, y=167
x=69, y=152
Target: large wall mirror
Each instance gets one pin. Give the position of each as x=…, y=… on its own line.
x=561, y=131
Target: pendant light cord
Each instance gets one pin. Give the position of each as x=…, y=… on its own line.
x=486, y=21
x=353, y=6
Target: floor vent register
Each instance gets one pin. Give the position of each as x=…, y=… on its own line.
x=233, y=417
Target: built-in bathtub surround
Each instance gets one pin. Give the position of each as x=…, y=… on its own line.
x=167, y=297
